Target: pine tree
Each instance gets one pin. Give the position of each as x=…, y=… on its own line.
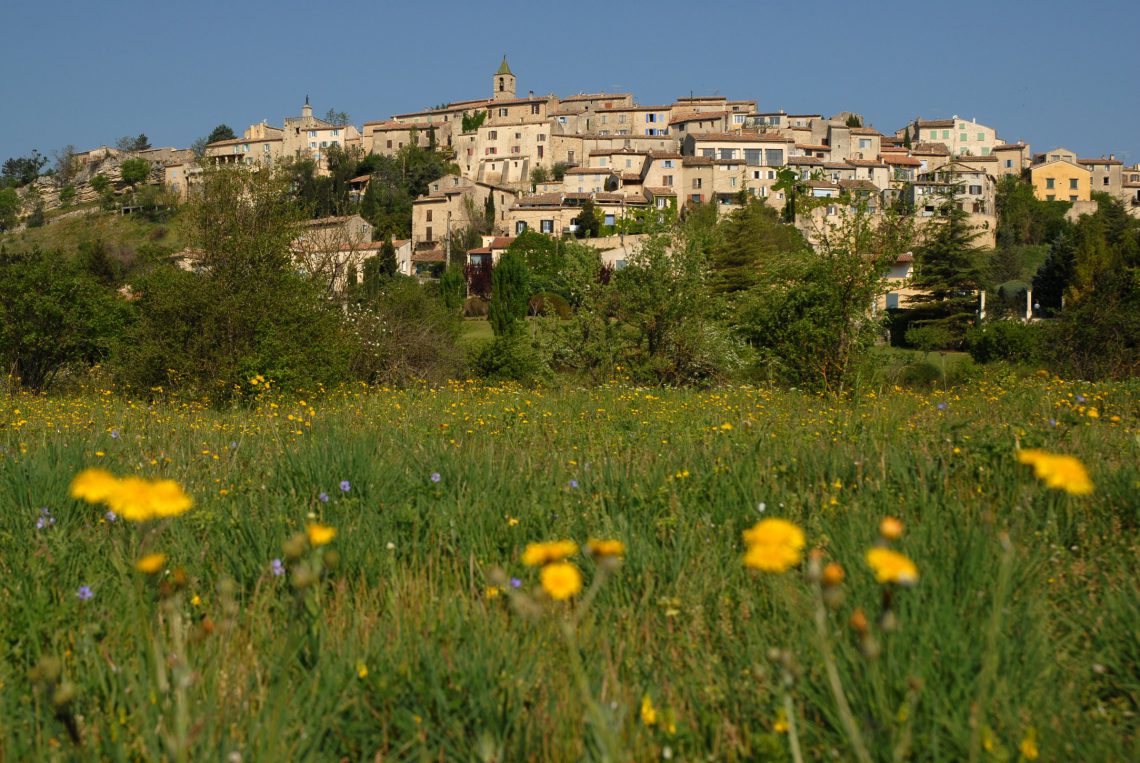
x=489, y=213
x=388, y=264
x=946, y=270
x=510, y=291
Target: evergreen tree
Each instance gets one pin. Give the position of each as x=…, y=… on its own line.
x=510, y=292
x=906, y=138
x=753, y=240
x=946, y=271
x=489, y=213
x=373, y=275
x=388, y=264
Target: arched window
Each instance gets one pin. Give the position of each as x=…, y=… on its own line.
x=502, y=84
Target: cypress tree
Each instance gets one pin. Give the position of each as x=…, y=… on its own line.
x=510, y=291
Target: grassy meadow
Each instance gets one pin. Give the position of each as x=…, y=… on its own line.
x=418, y=633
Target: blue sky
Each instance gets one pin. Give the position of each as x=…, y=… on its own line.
x=1052, y=73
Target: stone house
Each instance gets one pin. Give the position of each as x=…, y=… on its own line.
x=964, y=137
x=1107, y=175
x=1061, y=180
x=310, y=137
x=1013, y=158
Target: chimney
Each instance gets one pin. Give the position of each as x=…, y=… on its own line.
x=531, y=94
x=1112, y=157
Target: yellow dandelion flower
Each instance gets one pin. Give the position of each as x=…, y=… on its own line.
x=605, y=548
x=774, y=545
x=151, y=563
x=512, y=521
x=781, y=724
x=892, y=567
x=167, y=499
x=1093, y=413
x=561, y=580
x=1028, y=745
x=1058, y=471
x=131, y=499
x=93, y=485
x=319, y=534
x=196, y=600
x=545, y=553
x=648, y=711
x=833, y=574
x=361, y=669
x=492, y=591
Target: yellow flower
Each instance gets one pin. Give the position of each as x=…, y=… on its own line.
x=605, y=548
x=774, y=545
x=891, y=528
x=167, y=499
x=833, y=574
x=545, y=553
x=1028, y=746
x=726, y=426
x=1093, y=413
x=131, y=499
x=318, y=534
x=648, y=711
x=93, y=485
x=361, y=669
x=1058, y=471
x=781, y=724
x=561, y=580
x=892, y=567
x=151, y=563
x=512, y=521
x=196, y=600
x=492, y=591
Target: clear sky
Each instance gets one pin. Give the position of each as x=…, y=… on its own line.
x=85, y=73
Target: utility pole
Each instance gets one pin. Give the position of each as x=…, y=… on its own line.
x=448, y=243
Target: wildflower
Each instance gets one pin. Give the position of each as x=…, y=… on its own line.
x=726, y=426
x=277, y=568
x=561, y=580
x=774, y=545
x=942, y=406
x=323, y=497
x=492, y=591
x=320, y=534
x=93, y=485
x=573, y=483
x=435, y=477
x=892, y=567
x=781, y=724
x=516, y=583
x=1081, y=399
x=151, y=563
x=833, y=574
x=544, y=553
x=891, y=528
x=195, y=600
x=361, y=670
x=85, y=593
x=1058, y=471
x=512, y=521
x=605, y=548
x=111, y=516
x=45, y=519
x=858, y=621
x=648, y=711
x=167, y=499
x=114, y=434
x=1093, y=413
x=1028, y=746
x=345, y=486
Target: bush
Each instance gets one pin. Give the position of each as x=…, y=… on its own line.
x=1012, y=341
x=513, y=357
x=134, y=170
x=475, y=307
x=404, y=335
x=549, y=304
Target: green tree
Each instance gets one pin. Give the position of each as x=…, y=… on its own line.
x=1023, y=219
x=134, y=170
x=52, y=315
x=588, y=221
x=853, y=120
x=452, y=287
x=538, y=175
x=489, y=213
x=21, y=170
x=558, y=171
x=9, y=208
x=373, y=278
x=388, y=263
x=946, y=270
x=221, y=132
x=752, y=239
x=100, y=183
x=67, y=195
x=510, y=292
x=472, y=122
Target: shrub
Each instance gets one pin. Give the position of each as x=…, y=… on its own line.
x=512, y=357
x=475, y=307
x=1011, y=341
x=549, y=304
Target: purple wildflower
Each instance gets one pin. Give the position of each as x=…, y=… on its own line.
x=345, y=486
x=277, y=568
x=573, y=483
x=85, y=593
x=114, y=434
x=435, y=477
x=1081, y=399
x=45, y=519
x=111, y=516
x=1052, y=422
x=515, y=583
x=942, y=406
x=323, y=497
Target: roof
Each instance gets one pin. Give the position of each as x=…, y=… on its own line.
x=697, y=116
x=931, y=149
x=1010, y=147
x=594, y=96
x=1051, y=162
x=865, y=163
x=237, y=141
x=820, y=184
x=865, y=131
x=905, y=257
x=1099, y=160
x=552, y=199
x=501, y=242
x=589, y=171
x=813, y=146
x=388, y=124
x=432, y=255
x=858, y=185
x=905, y=161
x=657, y=190
x=631, y=108
x=742, y=137
x=504, y=68
x=935, y=122
x=322, y=221
x=812, y=160
x=696, y=161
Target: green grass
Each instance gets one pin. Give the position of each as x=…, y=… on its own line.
x=399, y=653
x=476, y=333
x=124, y=234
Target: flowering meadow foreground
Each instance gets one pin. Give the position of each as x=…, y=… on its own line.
x=496, y=574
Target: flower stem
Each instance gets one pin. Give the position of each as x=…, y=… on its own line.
x=845, y=716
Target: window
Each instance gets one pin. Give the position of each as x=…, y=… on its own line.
x=985, y=151
x=1106, y=181
x=540, y=153
x=667, y=164
x=774, y=157
x=541, y=137
x=490, y=151
x=546, y=226
x=561, y=120
x=975, y=190
x=429, y=238
x=1073, y=184
x=504, y=112
x=934, y=135
x=753, y=157
x=709, y=152
x=696, y=182
x=520, y=227
x=667, y=179
x=962, y=138
x=493, y=135
x=864, y=143
x=621, y=119
x=518, y=136
x=609, y=220
x=312, y=133
x=961, y=125
x=429, y=215
x=728, y=153
x=628, y=163
x=335, y=133
x=1009, y=163
x=946, y=135
x=650, y=117
x=732, y=182
x=1051, y=197
x=1049, y=183
x=534, y=108
x=313, y=144
x=1072, y=198
x=390, y=145
x=981, y=136
x=695, y=198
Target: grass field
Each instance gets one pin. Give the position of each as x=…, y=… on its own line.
x=418, y=633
